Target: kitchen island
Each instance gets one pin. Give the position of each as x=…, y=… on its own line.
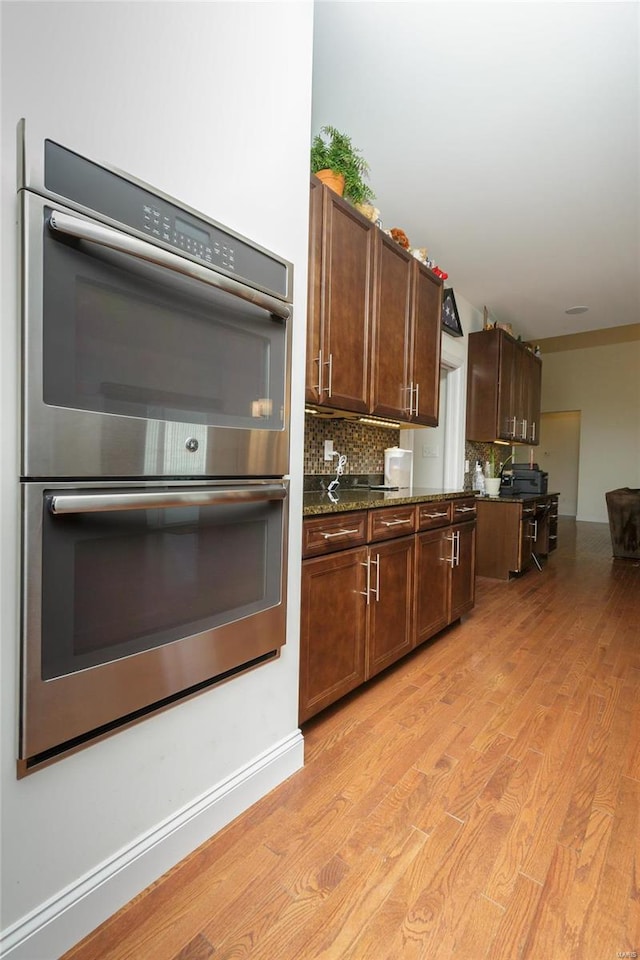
x=515, y=532
x=382, y=571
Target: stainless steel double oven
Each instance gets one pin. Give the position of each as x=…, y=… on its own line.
x=155, y=450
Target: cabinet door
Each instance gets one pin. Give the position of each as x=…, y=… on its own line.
x=424, y=360
x=463, y=572
x=332, y=629
x=390, y=330
x=312, y=393
x=508, y=389
x=534, y=386
x=434, y=552
x=390, y=615
x=498, y=538
x=347, y=277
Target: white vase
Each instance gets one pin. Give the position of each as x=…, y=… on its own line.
x=492, y=486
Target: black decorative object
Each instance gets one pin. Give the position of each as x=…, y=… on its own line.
x=450, y=317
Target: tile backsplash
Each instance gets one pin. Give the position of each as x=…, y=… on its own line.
x=361, y=443
x=482, y=451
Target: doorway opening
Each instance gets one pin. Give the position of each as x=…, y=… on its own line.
x=438, y=452
x=559, y=455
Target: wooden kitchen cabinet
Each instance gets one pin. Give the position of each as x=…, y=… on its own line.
x=373, y=340
x=445, y=572
x=356, y=608
x=364, y=607
x=332, y=628
x=510, y=532
x=405, y=355
x=433, y=572
x=503, y=389
x=424, y=363
x=340, y=303
x=390, y=396
x=463, y=571
x=390, y=603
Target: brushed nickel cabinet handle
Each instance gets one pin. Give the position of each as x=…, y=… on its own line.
x=376, y=563
x=339, y=533
x=367, y=593
x=318, y=386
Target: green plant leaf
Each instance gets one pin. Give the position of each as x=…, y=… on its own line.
x=333, y=150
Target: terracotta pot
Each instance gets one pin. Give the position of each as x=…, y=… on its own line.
x=335, y=181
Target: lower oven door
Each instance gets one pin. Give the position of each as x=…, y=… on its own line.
x=135, y=596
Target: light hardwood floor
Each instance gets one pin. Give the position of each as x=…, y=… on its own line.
x=480, y=799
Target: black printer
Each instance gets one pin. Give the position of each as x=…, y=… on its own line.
x=521, y=478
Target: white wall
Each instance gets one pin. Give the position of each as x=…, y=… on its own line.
x=603, y=383
x=211, y=102
x=448, y=437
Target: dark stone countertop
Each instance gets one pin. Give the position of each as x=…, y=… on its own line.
x=516, y=497
x=316, y=502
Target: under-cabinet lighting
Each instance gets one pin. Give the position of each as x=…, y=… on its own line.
x=389, y=424
x=352, y=417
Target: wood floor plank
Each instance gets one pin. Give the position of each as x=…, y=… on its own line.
x=393, y=919
x=514, y=928
x=480, y=798
x=478, y=932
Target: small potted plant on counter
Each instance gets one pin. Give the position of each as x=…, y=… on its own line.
x=339, y=164
x=492, y=480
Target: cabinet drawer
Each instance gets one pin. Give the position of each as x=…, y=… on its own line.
x=436, y=514
x=334, y=532
x=388, y=522
x=464, y=509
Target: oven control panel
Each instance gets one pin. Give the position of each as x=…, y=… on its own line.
x=187, y=236
x=131, y=203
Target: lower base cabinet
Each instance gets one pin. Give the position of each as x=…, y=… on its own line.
x=333, y=611
x=389, y=603
x=445, y=579
x=513, y=534
x=365, y=607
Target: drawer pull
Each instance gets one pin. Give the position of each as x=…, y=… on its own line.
x=392, y=523
x=433, y=516
x=553, y=536
x=465, y=509
x=527, y=510
x=339, y=533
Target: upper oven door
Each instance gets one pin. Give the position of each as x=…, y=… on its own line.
x=141, y=363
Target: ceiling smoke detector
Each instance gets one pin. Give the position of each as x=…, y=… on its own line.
x=572, y=311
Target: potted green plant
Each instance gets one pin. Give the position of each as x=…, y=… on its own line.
x=333, y=151
x=492, y=480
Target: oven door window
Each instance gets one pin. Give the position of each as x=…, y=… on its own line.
x=125, y=337
x=120, y=582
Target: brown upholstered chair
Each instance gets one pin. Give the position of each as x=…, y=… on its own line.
x=623, y=507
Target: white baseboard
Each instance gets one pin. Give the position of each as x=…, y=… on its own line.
x=58, y=924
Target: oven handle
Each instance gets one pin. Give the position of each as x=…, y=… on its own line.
x=123, y=243
x=104, y=502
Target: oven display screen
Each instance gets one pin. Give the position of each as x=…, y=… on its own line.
x=190, y=231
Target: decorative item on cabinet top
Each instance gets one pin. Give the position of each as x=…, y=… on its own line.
x=333, y=151
x=450, y=316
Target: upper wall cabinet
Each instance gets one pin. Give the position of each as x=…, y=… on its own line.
x=373, y=339
x=342, y=247
x=503, y=389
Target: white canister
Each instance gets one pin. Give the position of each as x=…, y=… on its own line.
x=398, y=467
